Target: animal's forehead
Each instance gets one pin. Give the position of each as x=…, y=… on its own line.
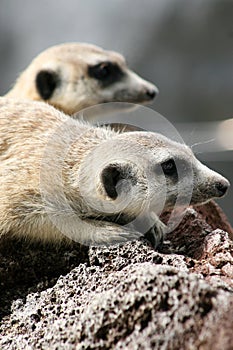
x=156, y=142
x=86, y=53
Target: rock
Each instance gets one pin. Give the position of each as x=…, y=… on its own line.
x=26, y=268
x=214, y=216
x=122, y=297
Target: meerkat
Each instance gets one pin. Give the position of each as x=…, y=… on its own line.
x=64, y=179
x=74, y=76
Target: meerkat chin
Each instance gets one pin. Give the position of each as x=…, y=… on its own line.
x=74, y=76
x=65, y=179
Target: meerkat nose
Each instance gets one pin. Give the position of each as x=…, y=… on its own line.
x=222, y=187
x=151, y=93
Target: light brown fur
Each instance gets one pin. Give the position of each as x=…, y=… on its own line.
x=75, y=89
x=56, y=175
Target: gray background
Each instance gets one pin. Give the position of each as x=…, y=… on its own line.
x=184, y=47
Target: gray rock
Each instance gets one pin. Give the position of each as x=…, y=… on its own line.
x=128, y=296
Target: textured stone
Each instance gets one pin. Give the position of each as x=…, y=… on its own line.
x=121, y=297
x=214, y=216
x=26, y=268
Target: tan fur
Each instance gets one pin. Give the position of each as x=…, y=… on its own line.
x=77, y=90
x=52, y=176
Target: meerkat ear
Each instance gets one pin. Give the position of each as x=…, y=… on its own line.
x=111, y=178
x=46, y=83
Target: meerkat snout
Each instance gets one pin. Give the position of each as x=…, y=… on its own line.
x=151, y=93
x=222, y=188
x=210, y=183
x=189, y=178
x=74, y=76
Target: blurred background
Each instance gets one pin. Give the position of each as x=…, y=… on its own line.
x=184, y=47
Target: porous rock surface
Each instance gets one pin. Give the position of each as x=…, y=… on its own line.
x=122, y=297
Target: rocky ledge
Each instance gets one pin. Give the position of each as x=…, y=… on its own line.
x=122, y=297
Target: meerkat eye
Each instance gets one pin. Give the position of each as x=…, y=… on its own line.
x=169, y=168
x=102, y=70
x=106, y=73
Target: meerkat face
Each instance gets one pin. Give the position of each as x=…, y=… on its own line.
x=179, y=176
x=145, y=171
x=75, y=76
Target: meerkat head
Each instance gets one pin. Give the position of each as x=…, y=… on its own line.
x=134, y=173
x=74, y=76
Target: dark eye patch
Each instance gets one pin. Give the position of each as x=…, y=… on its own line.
x=174, y=168
x=169, y=169
x=106, y=73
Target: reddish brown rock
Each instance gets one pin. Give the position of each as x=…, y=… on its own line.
x=123, y=297
x=215, y=217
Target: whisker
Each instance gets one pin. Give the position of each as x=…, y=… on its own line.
x=202, y=143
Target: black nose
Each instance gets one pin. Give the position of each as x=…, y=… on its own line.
x=221, y=187
x=151, y=94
